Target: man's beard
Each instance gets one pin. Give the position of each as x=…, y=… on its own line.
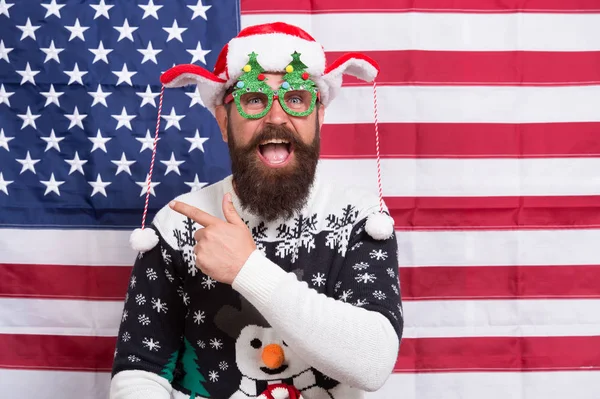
x=273, y=193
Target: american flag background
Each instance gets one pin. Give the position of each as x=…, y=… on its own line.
x=490, y=136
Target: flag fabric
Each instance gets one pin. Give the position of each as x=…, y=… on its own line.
x=490, y=145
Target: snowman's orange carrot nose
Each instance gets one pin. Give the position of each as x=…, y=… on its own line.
x=273, y=356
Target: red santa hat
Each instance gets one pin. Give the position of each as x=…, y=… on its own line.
x=273, y=43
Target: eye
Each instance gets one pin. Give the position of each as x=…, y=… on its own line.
x=255, y=343
x=284, y=344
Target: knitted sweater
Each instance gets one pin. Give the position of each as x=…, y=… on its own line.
x=317, y=305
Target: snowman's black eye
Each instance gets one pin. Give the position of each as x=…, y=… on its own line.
x=256, y=343
x=284, y=344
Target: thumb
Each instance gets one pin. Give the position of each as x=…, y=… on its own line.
x=230, y=213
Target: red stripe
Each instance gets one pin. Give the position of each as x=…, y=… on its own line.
x=462, y=140
x=500, y=282
x=64, y=282
x=56, y=352
x=448, y=213
x=86, y=353
x=338, y=6
x=498, y=354
x=522, y=68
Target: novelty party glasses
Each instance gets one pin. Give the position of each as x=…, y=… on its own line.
x=254, y=97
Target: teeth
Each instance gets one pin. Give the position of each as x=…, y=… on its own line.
x=274, y=141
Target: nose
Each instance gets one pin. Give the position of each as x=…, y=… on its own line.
x=273, y=356
x=276, y=114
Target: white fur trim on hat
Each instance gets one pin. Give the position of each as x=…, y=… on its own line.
x=274, y=52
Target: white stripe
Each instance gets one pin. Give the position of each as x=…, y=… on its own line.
x=489, y=104
x=469, y=177
x=66, y=247
x=561, y=317
x=445, y=31
x=60, y=317
x=499, y=385
x=498, y=248
x=530, y=385
x=416, y=248
x=20, y=384
x=500, y=318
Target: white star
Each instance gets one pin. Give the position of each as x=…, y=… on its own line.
x=52, y=96
x=101, y=9
x=76, y=75
x=52, y=52
x=149, y=53
x=172, y=165
x=76, y=118
x=4, y=183
x=124, y=75
x=4, y=7
x=196, y=184
x=196, y=142
x=5, y=95
x=28, y=30
x=148, y=97
x=99, y=96
x=28, y=75
x=144, y=186
x=77, y=30
x=52, y=141
x=123, y=165
x=147, y=142
x=199, y=10
x=99, y=186
x=52, y=185
x=28, y=163
x=175, y=32
x=99, y=142
x=198, y=54
x=124, y=119
x=100, y=53
x=4, y=140
x=173, y=119
x=125, y=31
x=195, y=98
x=28, y=119
x=76, y=164
x=150, y=9
x=4, y=51
x=53, y=8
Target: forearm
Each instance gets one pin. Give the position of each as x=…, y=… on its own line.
x=350, y=344
x=137, y=384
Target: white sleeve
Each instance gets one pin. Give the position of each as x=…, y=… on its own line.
x=355, y=346
x=138, y=384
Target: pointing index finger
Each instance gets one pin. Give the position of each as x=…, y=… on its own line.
x=197, y=215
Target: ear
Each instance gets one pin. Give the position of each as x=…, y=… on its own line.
x=321, y=114
x=222, y=120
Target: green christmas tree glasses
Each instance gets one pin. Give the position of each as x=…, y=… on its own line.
x=254, y=97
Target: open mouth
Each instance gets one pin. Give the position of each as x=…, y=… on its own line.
x=275, y=371
x=275, y=152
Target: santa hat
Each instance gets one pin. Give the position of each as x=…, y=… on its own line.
x=273, y=43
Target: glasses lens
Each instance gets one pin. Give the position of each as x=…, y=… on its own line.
x=254, y=103
x=298, y=101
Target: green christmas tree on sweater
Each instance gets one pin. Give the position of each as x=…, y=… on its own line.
x=167, y=371
x=193, y=379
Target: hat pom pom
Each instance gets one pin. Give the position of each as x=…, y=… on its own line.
x=380, y=226
x=143, y=240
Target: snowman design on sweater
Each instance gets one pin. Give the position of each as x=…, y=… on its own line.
x=206, y=340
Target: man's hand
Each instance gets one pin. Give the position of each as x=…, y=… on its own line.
x=222, y=247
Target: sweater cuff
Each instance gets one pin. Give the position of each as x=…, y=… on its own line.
x=258, y=278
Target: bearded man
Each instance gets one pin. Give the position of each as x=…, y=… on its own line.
x=274, y=282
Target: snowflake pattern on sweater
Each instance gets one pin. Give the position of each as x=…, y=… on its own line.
x=204, y=337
